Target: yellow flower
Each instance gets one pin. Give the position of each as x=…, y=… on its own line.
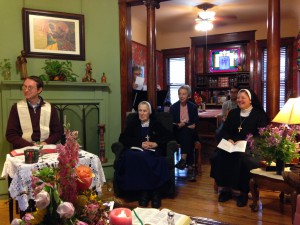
x=38, y=216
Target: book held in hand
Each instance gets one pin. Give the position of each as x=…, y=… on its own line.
x=141, y=149
x=239, y=146
x=153, y=216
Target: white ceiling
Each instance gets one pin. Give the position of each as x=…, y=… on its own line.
x=180, y=15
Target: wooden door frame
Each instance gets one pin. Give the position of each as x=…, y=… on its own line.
x=126, y=53
x=173, y=53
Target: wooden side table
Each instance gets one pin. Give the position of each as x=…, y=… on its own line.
x=268, y=180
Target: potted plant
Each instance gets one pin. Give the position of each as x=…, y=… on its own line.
x=275, y=144
x=5, y=67
x=58, y=71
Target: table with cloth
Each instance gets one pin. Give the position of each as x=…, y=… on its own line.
x=20, y=174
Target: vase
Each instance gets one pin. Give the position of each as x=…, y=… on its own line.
x=6, y=75
x=279, y=166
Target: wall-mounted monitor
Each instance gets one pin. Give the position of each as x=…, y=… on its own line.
x=224, y=60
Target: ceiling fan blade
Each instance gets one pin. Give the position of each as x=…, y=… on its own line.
x=226, y=17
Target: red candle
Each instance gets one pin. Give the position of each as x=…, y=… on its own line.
x=120, y=216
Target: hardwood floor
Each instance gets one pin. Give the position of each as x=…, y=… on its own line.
x=199, y=199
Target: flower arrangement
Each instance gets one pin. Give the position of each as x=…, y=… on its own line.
x=275, y=143
x=62, y=194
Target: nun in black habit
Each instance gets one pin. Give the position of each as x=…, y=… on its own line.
x=232, y=170
x=144, y=172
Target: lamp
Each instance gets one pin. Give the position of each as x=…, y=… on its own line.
x=204, y=20
x=207, y=15
x=204, y=25
x=290, y=112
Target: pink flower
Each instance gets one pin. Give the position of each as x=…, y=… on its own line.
x=78, y=222
x=66, y=210
x=28, y=217
x=16, y=222
x=91, y=210
x=42, y=199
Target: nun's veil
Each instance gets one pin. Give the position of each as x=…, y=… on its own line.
x=254, y=99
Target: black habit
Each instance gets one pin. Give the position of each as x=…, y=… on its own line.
x=143, y=170
x=233, y=169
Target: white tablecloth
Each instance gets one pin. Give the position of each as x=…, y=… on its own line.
x=20, y=187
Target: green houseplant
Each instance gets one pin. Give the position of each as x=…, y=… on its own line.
x=5, y=67
x=58, y=71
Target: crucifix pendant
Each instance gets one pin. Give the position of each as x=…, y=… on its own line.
x=147, y=137
x=240, y=128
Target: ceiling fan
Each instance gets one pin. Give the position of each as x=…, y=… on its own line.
x=207, y=18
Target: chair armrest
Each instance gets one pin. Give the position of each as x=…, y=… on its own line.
x=172, y=147
x=117, y=148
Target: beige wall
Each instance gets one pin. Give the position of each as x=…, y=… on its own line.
x=288, y=28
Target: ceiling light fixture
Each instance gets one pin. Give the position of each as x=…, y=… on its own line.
x=204, y=25
x=205, y=17
x=204, y=20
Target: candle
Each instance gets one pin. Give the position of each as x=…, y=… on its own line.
x=120, y=216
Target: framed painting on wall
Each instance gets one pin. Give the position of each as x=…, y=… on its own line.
x=58, y=35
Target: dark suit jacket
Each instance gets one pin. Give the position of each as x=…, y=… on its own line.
x=192, y=110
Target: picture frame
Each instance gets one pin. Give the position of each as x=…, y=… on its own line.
x=56, y=35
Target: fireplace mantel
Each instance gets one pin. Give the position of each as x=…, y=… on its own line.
x=62, y=92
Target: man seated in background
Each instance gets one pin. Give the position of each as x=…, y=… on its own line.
x=33, y=121
x=226, y=107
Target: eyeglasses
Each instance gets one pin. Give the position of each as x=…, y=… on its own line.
x=29, y=88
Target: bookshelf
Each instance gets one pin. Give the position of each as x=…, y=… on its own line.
x=211, y=82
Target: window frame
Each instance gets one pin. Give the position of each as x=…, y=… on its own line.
x=284, y=42
x=176, y=53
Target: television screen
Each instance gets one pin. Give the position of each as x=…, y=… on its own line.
x=224, y=60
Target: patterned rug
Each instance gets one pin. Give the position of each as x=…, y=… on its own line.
x=205, y=221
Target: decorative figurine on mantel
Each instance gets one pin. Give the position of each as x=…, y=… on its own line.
x=103, y=79
x=22, y=65
x=88, y=73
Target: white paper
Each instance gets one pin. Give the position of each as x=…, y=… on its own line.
x=239, y=146
x=141, y=149
x=140, y=82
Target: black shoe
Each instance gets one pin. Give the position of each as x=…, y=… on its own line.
x=181, y=165
x=224, y=196
x=242, y=200
x=156, y=200
x=144, y=199
x=191, y=175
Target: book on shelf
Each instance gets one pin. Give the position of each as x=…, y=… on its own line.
x=45, y=150
x=239, y=146
x=153, y=216
x=141, y=149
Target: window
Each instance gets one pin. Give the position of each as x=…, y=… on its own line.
x=283, y=76
x=176, y=70
x=176, y=77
